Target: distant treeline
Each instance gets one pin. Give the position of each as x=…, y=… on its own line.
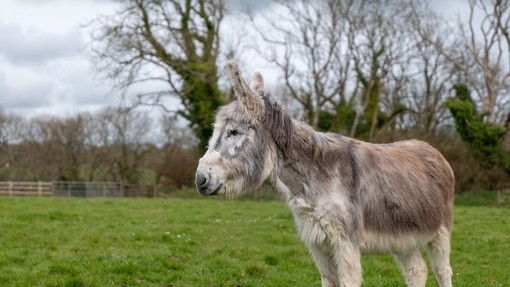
x=118, y=144
x=113, y=144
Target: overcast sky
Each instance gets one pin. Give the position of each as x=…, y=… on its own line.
x=44, y=67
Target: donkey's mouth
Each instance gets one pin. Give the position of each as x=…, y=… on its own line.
x=215, y=192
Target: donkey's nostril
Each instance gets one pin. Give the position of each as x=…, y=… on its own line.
x=202, y=180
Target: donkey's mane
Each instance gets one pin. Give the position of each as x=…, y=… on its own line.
x=292, y=137
x=279, y=124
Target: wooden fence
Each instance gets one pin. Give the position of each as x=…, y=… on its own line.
x=16, y=188
x=62, y=188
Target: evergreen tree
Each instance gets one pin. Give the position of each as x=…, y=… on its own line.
x=485, y=138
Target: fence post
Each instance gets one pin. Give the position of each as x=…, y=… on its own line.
x=10, y=188
x=39, y=188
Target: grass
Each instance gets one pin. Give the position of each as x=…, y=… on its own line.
x=500, y=198
x=205, y=242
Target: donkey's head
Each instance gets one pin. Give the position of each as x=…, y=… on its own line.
x=242, y=151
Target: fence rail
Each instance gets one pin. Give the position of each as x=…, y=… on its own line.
x=25, y=188
x=62, y=188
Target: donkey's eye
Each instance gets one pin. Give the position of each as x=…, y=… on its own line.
x=232, y=132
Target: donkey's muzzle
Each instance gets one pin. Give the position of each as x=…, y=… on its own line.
x=202, y=181
x=205, y=185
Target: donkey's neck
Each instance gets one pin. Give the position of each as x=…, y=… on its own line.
x=313, y=161
x=307, y=160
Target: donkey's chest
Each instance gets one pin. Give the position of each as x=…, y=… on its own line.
x=319, y=225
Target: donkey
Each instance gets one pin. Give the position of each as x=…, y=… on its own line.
x=347, y=197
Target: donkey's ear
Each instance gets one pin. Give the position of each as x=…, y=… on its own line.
x=248, y=98
x=257, y=82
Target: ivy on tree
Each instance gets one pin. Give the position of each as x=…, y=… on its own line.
x=484, y=137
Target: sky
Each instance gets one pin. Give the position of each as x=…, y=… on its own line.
x=44, y=67
x=44, y=64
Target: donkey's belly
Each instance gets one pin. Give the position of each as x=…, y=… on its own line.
x=376, y=242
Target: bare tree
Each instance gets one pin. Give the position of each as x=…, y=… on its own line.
x=431, y=84
x=344, y=59
x=124, y=136
x=10, y=127
x=55, y=148
x=382, y=50
x=69, y=134
x=173, y=42
x=481, y=56
x=178, y=156
x=306, y=40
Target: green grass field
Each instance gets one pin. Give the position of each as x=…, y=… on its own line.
x=206, y=242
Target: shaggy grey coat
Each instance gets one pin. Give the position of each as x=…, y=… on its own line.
x=347, y=197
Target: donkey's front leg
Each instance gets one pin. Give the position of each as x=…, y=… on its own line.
x=348, y=261
x=326, y=265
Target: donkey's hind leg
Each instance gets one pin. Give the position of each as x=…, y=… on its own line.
x=413, y=267
x=439, y=253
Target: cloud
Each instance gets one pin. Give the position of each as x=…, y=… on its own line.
x=58, y=82
x=254, y=6
x=29, y=46
x=42, y=2
x=77, y=85
x=36, y=1
x=22, y=88
x=46, y=72
x=44, y=67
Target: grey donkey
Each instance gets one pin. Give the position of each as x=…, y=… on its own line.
x=347, y=196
